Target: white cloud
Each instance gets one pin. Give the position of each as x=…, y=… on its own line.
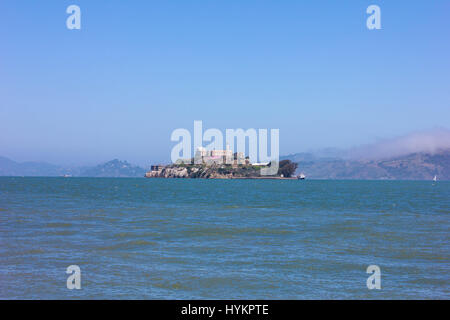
x=425, y=141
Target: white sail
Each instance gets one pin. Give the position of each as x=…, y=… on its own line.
x=435, y=178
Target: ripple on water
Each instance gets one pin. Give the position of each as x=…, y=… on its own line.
x=127, y=245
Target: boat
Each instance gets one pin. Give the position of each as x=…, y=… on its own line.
x=301, y=176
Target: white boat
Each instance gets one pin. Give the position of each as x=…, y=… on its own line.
x=301, y=176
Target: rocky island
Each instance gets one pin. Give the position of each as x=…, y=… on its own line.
x=220, y=171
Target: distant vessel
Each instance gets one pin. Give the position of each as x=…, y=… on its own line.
x=435, y=178
x=301, y=176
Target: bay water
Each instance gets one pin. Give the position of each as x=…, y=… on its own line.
x=136, y=238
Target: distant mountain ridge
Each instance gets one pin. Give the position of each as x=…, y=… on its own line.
x=414, y=166
x=9, y=167
x=113, y=168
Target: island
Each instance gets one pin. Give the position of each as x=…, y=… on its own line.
x=220, y=164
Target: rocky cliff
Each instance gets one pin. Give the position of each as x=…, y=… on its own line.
x=205, y=172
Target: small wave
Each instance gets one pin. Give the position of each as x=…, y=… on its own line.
x=59, y=233
x=227, y=232
x=32, y=251
x=128, y=244
x=58, y=225
x=121, y=235
x=169, y=285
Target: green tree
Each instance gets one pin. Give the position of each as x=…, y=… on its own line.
x=287, y=168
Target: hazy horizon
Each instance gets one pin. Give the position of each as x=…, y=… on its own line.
x=428, y=141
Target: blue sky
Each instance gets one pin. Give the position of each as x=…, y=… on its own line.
x=137, y=70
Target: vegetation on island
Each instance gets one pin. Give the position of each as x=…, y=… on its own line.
x=220, y=171
x=287, y=168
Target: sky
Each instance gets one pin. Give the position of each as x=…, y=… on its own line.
x=137, y=70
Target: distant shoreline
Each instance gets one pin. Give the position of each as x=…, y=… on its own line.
x=230, y=178
x=234, y=178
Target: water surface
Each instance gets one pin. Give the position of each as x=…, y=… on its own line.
x=223, y=239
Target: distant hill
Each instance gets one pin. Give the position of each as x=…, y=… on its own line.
x=114, y=168
x=9, y=167
x=414, y=166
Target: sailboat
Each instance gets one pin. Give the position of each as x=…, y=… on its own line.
x=301, y=176
x=435, y=178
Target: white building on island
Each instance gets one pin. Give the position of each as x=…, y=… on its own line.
x=210, y=157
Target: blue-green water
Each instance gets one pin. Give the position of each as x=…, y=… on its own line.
x=223, y=239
